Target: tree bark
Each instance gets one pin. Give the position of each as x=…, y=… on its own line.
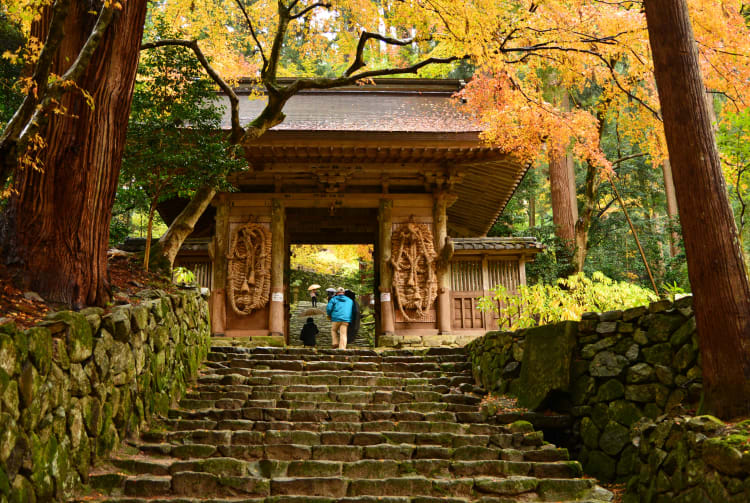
x=715, y=266
x=58, y=219
x=562, y=207
x=583, y=224
x=562, y=190
x=532, y=210
x=184, y=224
x=671, y=206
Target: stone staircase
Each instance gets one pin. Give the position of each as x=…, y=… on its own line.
x=298, y=425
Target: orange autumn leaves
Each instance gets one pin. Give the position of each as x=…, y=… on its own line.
x=596, y=51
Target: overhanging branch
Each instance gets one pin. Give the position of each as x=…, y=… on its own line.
x=237, y=130
x=359, y=61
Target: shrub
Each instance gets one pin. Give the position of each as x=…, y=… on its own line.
x=568, y=299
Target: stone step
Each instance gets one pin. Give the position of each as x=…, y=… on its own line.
x=288, y=425
x=229, y=484
x=221, y=357
x=233, y=432
x=236, y=374
x=260, y=378
x=213, y=391
x=358, y=469
x=350, y=352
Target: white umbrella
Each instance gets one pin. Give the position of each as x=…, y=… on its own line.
x=314, y=286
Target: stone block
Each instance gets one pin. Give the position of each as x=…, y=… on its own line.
x=547, y=357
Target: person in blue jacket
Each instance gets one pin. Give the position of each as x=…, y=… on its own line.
x=339, y=311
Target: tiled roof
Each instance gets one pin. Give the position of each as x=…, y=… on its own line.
x=495, y=243
x=414, y=108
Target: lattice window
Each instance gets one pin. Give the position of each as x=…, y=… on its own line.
x=204, y=272
x=466, y=275
x=504, y=272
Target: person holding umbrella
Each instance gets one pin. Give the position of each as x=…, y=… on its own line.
x=330, y=292
x=314, y=294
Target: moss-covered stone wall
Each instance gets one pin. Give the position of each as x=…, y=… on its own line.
x=75, y=385
x=686, y=459
x=608, y=371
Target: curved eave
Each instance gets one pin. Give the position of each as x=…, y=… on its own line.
x=485, y=176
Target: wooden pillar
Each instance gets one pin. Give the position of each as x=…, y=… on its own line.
x=220, y=250
x=385, y=228
x=444, y=251
x=522, y=270
x=278, y=249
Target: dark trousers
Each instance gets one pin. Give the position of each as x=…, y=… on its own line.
x=314, y=301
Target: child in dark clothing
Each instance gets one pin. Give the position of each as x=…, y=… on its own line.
x=309, y=331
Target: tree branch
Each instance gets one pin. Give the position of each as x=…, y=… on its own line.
x=252, y=32
x=237, y=130
x=308, y=9
x=359, y=61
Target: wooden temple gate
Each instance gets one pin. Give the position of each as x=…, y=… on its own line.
x=392, y=164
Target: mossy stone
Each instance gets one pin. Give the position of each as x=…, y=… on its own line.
x=684, y=357
x=509, y=486
x=627, y=463
x=608, y=364
x=581, y=389
x=117, y=323
x=683, y=334
x=589, y=433
x=614, y=438
x=601, y=466
x=9, y=362
x=640, y=373
x=610, y=390
x=719, y=453
x=660, y=354
x=40, y=348
x=78, y=336
x=547, y=357
x=10, y=399
x=521, y=427
x=661, y=326
x=600, y=414
x=624, y=412
x=22, y=491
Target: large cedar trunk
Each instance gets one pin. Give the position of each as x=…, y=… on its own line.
x=563, y=206
x=58, y=219
x=717, y=271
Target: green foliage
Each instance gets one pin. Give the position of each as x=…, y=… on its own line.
x=11, y=39
x=175, y=143
x=567, y=299
x=183, y=276
x=733, y=139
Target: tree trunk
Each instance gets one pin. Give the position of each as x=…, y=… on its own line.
x=184, y=224
x=58, y=219
x=562, y=190
x=715, y=266
x=532, y=210
x=149, y=229
x=583, y=224
x=562, y=207
x=671, y=206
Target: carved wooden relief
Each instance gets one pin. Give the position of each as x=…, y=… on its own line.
x=414, y=271
x=249, y=275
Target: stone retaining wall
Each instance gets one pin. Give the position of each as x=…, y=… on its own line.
x=686, y=459
x=608, y=370
x=75, y=385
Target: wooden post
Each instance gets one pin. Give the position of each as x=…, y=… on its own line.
x=522, y=270
x=444, y=250
x=220, y=248
x=278, y=249
x=385, y=229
